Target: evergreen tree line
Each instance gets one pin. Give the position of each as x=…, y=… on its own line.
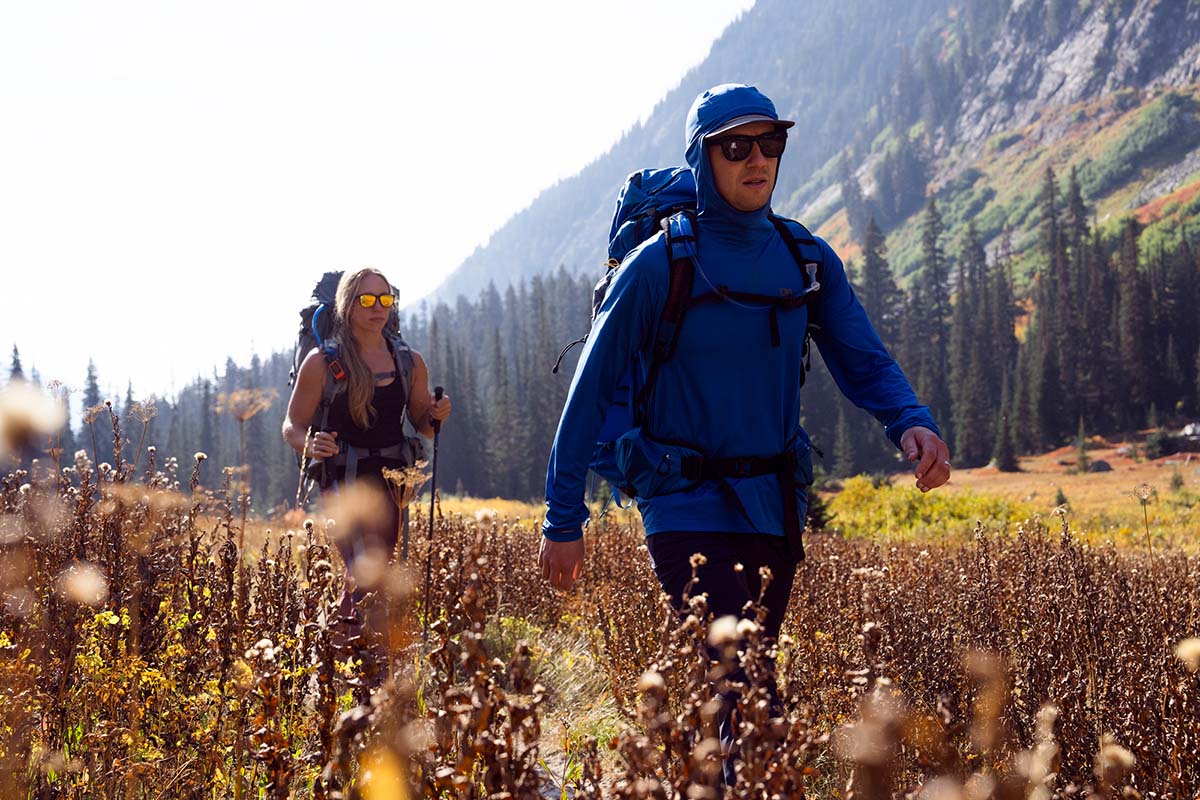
x=494, y=356
x=202, y=418
x=1111, y=337
x=1111, y=342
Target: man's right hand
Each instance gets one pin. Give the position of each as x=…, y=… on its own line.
x=561, y=562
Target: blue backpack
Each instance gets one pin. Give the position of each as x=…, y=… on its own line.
x=665, y=199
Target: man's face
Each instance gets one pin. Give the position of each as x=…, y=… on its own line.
x=745, y=185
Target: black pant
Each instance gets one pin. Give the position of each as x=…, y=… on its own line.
x=728, y=591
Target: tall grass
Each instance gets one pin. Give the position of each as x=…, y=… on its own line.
x=145, y=653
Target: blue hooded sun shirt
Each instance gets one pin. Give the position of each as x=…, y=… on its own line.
x=725, y=391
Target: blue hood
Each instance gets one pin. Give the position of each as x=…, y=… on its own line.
x=712, y=109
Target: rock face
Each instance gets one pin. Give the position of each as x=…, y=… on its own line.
x=1106, y=47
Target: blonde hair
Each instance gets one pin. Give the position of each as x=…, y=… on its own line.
x=360, y=380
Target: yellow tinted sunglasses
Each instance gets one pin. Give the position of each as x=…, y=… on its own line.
x=368, y=300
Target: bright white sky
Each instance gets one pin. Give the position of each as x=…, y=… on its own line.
x=175, y=176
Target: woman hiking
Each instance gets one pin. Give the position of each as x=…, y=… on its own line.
x=378, y=383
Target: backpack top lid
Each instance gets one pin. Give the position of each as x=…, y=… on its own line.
x=325, y=292
x=647, y=198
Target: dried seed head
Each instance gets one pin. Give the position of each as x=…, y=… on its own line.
x=370, y=568
x=26, y=413
x=382, y=774
x=405, y=484
x=1113, y=762
x=979, y=787
x=651, y=681
x=698, y=560
x=723, y=631
x=943, y=788
x=746, y=627
x=1188, y=651
x=83, y=583
x=241, y=676
x=1143, y=492
x=242, y=404
x=143, y=411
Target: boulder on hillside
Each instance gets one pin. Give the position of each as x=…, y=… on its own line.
x=1099, y=466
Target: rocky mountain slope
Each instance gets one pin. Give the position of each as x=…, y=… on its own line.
x=967, y=101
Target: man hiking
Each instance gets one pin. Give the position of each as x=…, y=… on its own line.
x=717, y=459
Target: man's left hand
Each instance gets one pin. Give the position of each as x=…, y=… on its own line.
x=931, y=454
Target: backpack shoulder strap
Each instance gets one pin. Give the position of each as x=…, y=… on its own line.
x=335, y=375
x=405, y=361
x=809, y=258
x=681, y=254
x=406, y=365
x=804, y=249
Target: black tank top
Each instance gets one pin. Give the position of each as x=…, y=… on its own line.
x=389, y=418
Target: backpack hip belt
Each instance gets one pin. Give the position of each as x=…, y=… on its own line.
x=348, y=457
x=781, y=465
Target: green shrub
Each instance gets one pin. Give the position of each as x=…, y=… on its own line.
x=1165, y=128
x=1158, y=444
x=863, y=509
x=1002, y=141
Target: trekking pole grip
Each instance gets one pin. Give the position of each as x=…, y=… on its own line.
x=438, y=392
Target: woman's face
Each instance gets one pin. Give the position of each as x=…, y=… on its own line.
x=374, y=318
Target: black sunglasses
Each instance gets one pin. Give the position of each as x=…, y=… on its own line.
x=738, y=147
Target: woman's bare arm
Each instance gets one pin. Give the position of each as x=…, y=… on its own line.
x=422, y=410
x=302, y=407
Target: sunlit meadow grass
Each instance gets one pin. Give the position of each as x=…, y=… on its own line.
x=154, y=642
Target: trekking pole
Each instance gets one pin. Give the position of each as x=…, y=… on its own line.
x=437, y=432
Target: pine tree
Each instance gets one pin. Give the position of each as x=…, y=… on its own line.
x=256, y=439
x=853, y=200
x=127, y=428
x=500, y=449
x=1000, y=338
x=1095, y=372
x=91, y=387
x=877, y=290
x=1196, y=369
x=845, y=460
x=208, y=421
x=1134, y=341
x=67, y=442
x=1082, y=461
x=932, y=304
x=15, y=373
x=972, y=413
x=884, y=303
x=1004, y=454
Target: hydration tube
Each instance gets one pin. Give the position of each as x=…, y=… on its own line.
x=316, y=331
